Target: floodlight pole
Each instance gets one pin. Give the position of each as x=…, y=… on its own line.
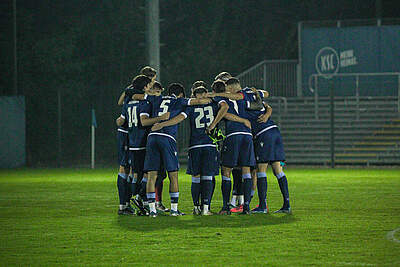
x=153, y=34
x=332, y=133
x=15, y=47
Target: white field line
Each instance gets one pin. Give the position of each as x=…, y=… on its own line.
x=391, y=237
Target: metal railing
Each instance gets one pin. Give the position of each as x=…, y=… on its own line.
x=314, y=78
x=279, y=77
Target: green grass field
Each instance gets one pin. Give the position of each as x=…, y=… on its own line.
x=68, y=217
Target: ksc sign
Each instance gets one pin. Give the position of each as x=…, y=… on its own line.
x=327, y=62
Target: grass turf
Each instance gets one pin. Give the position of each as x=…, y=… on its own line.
x=69, y=217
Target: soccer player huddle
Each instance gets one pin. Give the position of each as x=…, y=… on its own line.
x=147, y=134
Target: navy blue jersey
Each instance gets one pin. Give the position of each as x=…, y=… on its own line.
x=124, y=127
x=200, y=116
x=137, y=132
x=164, y=104
x=238, y=108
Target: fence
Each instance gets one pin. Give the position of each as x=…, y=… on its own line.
x=279, y=77
x=314, y=87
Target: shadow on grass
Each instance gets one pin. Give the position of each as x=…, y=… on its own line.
x=147, y=224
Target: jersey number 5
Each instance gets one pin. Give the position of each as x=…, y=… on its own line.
x=164, y=107
x=209, y=116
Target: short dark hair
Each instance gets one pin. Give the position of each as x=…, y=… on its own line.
x=176, y=89
x=140, y=81
x=223, y=76
x=198, y=84
x=148, y=71
x=199, y=90
x=218, y=86
x=157, y=85
x=232, y=80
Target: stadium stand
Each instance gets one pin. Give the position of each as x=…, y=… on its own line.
x=370, y=136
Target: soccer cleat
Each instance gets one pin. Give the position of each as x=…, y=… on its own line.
x=259, y=210
x=139, y=204
x=153, y=214
x=224, y=212
x=125, y=212
x=287, y=210
x=246, y=210
x=131, y=209
x=176, y=213
x=231, y=206
x=206, y=213
x=196, y=210
x=237, y=209
x=161, y=207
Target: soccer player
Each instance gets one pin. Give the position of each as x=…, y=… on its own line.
x=147, y=71
x=268, y=150
x=124, y=179
x=157, y=89
x=238, y=146
x=203, y=155
x=123, y=186
x=161, y=144
x=136, y=132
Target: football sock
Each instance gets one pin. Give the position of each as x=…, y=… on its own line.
x=128, y=189
x=142, y=191
x=240, y=200
x=174, y=200
x=248, y=183
x=151, y=198
x=159, y=188
x=226, y=191
x=206, y=188
x=262, y=189
x=233, y=200
x=212, y=188
x=283, y=185
x=205, y=208
x=133, y=186
x=121, y=185
x=195, y=190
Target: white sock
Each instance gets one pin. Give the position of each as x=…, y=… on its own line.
x=152, y=207
x=174, y=206
x=233, y=200
x=241, y=200
x=205, y=208
x=121, y=207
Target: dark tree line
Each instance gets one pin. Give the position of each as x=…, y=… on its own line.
x=90, y=50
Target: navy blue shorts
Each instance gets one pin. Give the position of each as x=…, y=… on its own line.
x=203, y=161
x=122, y=143
x=238, y=150
x=269, y=146
x=137, y=160
x=161, y=149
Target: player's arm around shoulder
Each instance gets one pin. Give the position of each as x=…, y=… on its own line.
x=231, y=96
x=265, y=116
x=147, y=121
x=223, y=109
x=199, y=101
x=175, y=120
x=233, y=117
